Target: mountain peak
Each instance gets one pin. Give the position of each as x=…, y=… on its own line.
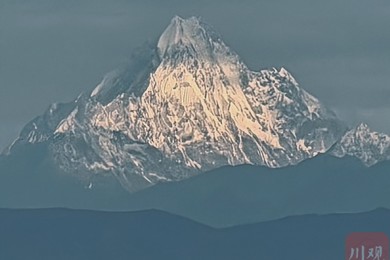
x=362, y=127
x=191, y=35
x=183, y=107
x=178, y=19
x=367, y=145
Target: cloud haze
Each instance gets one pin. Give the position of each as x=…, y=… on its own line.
x=51, y=50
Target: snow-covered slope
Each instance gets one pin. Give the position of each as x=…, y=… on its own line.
x=186, y=105
x=361, y=142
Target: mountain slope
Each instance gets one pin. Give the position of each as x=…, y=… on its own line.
x=186, y=105
x=42, y=234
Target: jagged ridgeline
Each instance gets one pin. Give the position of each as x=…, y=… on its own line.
x=185, y=105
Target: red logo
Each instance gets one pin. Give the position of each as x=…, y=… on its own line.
x=367, y=246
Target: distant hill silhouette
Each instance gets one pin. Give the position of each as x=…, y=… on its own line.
x=237, y=195
x=79, y=234
x=224, y=197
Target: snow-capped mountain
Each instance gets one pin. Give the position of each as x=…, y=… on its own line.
x=361, y=142
x=186, y=105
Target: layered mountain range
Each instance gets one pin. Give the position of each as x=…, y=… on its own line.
x=42, y=233
x=188, y=104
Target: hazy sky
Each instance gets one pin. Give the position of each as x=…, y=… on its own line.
x=338, y=50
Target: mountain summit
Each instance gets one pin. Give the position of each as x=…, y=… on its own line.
x=369, y=146
x=186, y=105
x=191, y=37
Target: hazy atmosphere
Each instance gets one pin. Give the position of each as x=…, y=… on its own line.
x=51, y=50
